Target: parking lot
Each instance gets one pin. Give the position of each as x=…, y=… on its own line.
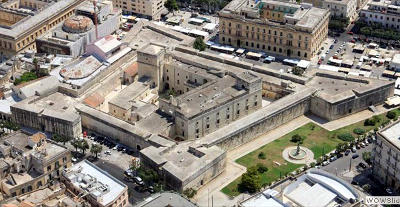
x=115, y=160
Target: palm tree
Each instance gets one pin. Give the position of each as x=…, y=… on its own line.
x=83, y=145
x=96, y=149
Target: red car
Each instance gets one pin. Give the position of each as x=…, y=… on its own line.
x=352, y=41
x=350, y=33
x=319, y=62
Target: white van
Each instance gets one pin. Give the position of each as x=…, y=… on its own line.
x=323, y=56
x=359, y=64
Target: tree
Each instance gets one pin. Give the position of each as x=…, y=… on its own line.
x=95, y=149
x=261, y=168
x=391, y=115
x=199, y=44
x=61, y=138
x=341, y=147
x=367, y=157
x=36, y=65
x=83, y=145
x=366, y=187
x=189, y=192
x=251, y=180
x=75, y=143
x=262, y=156
x=297, y=139
x=171, y=5
x=298, y=71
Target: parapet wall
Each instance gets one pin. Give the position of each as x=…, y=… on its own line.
x=241, y=64
x=261, y=121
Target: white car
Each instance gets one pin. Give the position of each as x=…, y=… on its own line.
x=327, y=52
x=108, y=152
x=74, y=159
x=325, y=163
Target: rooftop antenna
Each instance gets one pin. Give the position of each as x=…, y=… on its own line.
x=95, y=17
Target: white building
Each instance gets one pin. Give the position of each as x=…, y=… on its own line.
x=150, y=9
x=385, y=156
x=341, y=8
x=395, y=63
x=319, y=188
x=384, y=12
x=101, y=188
x=264, y=199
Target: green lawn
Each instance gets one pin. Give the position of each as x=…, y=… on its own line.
x=319, y=140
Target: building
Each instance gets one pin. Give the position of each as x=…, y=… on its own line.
x=104, y=48
x=341, y=8
x=386, y=13
x=395, y=63
x=214, y=104
x=129, y=99
x=55, y=195
x=167, y=199
x=152, y=9
x=73, y=35
x=93, y=184
x=30, y=162
x=265, y=198
x=54, y=113
x=23, y=21
x=130, y=73
x=183, y=165
x=339, y=95
x=276, y=27
x=385, y=156
x=39, y=87
x=319, y=188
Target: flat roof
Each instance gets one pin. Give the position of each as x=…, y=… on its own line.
x=208, y=96
x=55, y=8
x=392, y=134
x=264, y=199
x=167, y=199
x=56, y=105
x=114, y=187
x=107, y=43
x=125, y=98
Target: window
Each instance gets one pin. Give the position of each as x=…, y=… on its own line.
x=197, y=131
x=255, y=103
x=208, y=126
x=49, y=168
x=238, y=112
x=227, y=116
x=217, y=121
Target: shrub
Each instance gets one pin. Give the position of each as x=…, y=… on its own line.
x=369, y=122
x=189, y=192
x=359, y=131
x=347, y=137
x=391, y=115
x=262, y=156
x=261, y=168
x=312, y=164
x=376, y=119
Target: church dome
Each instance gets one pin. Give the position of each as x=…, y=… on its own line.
x=77, y=24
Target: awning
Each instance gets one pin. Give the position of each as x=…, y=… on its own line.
x=240, y=51
x=253, y=54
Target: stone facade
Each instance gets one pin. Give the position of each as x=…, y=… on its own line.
x=54, y=114
x=267, y=28
x=386, y=156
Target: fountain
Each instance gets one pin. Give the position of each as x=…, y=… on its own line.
x=298, y=155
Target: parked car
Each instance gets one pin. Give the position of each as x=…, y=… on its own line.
x=354, y=156
x=333, y=158
x=74, y=159
x=347, y=152
x=362, y=165
x=350, y=33
x=331, y=47
x=389, y=191
x=355, y=182
x=138, y=180
x=325, y=163
x=362, y=144
x=353, y=149
x=150, y=189
x=108, y=152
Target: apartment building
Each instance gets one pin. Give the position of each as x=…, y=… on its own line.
x=386, y=156
x=30, y=162
x=21, y=22
x=341, y=8
x=386, y=13
x=150, y=9
x=276, y=27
